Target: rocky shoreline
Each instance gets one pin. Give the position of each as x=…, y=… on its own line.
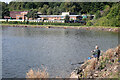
x=68, y=27
x=107, y=67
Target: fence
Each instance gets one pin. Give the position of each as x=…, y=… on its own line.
x=53, y=21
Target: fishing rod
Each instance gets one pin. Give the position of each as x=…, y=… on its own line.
x=85, y=59
x=82, y=61
x=77, y=63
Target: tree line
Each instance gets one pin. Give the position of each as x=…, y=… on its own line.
x=107, y=11
x=50, y=8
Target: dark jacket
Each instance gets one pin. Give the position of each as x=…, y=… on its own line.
x=97, y=52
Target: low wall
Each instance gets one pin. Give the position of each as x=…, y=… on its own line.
x=54, y=21
x=58, y=21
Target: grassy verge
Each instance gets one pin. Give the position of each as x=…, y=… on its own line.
x=59, y=25
x=42, y=23
x=51, y=24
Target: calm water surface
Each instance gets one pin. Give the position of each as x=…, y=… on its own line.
x=56, y=49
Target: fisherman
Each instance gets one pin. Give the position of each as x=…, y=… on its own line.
x=96, y=52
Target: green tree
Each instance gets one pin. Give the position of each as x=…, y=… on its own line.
x=115, y=10
x=56, y=10
x=20, y=18
x=49, y=11
x=32, y=14
x=30, y=5
x=97, y=15
x=44, y=9
x=5, y=10
x=89, y=7
x=67, y=18
x=111, y=19
x=106, y=10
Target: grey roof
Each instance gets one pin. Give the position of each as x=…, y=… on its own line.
x=53, y=20
x=74, y=15
x=55, y=15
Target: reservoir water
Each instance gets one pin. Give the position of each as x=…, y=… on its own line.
x=56, y=49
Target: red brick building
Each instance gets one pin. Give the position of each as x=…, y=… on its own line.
x=21, y=15
x=16, y=15
x=13, y=14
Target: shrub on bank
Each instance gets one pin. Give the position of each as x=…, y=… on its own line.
x=64, y=24
x=107, y=22
x=37, y=74
x=89, y=23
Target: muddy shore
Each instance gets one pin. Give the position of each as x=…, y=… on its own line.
x=68, y=27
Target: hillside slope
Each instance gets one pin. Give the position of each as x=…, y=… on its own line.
x=107, y=67
x=108, y=17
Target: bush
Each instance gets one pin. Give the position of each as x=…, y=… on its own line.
x=15, y=22
x=107, y=22
x=89, y=23
x=64, y=24
x=20, y=18
x=102, y=66
x=37, y=74
x=67, y=18
x=97, y=15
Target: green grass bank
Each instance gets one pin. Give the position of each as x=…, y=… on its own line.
x=58, y=25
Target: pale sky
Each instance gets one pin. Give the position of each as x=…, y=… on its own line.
x=5, y=1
